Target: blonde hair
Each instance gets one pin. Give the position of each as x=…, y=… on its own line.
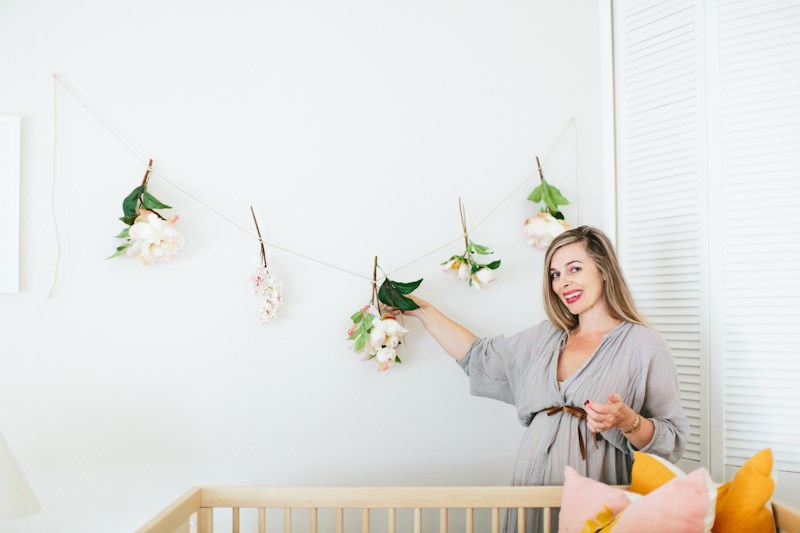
x=616, y=293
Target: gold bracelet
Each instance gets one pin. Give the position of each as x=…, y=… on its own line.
x=637, y=423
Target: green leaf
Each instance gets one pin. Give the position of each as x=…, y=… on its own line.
x=119, y=252
x=536, y=195
x=357, y=316
x=406, y=288
x=150, y=202
x=360, y=342
x=482, y=250
x=552, y=197
x=124, y=233
x=493, y=265
x=128, y=220
x=390, y=294
x=397, y=359
x=130, y=201
x=475, y=268
x=558, y=215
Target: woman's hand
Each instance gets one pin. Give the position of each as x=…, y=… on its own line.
x=604, y=416
x=423, y=304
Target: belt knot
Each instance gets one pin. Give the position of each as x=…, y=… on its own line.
x=578, y=413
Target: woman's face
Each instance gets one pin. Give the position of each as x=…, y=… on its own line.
x=576, y=280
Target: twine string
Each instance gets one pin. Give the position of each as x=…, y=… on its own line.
x=246, y=231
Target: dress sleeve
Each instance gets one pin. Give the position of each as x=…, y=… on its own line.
x=493, y=365
x=663, y=407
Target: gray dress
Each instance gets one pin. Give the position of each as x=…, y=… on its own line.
x=632, y=360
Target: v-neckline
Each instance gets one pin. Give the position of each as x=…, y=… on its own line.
x=562, y=344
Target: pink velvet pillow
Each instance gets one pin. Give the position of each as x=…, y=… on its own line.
x=584, y=499
x=685, y=504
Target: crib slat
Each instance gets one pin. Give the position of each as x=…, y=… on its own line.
x=392, y=520
x=235, y=520
x=365, y=520
x=417, y=520
x=521, y=520
x=547, y=519
x=262, y=520
x=287, y=520
x=495, y=520
x=470, y=520
x=443, y=520
x=313, y=520
x=205, y=520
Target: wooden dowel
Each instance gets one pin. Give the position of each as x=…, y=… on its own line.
x=470, y=520
x=392, y=520
x=495, y=520
x=365, y=520
x=313, y=520
x=417, y=520
x=547, y=520
x=521, y=520
x=443, y=520
x=205, y=520
x=339, y=520
x=235, y=520
x=287, y=520
x=262, y=520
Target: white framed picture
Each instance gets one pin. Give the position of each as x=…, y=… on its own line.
x=10, y=134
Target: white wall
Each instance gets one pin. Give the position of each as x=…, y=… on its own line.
x=352, y=127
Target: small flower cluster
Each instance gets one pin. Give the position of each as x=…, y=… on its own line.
x=467, y=268
x=270, y=290
x=542, y=228
x=376, y=337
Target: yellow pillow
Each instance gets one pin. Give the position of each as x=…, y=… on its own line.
x=741, y=502
x=650, y=472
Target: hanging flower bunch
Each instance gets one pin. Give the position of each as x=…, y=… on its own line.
x=149, y=237
x=548, y=223
x=377, y=335
x=265, y=285
x=466, y=267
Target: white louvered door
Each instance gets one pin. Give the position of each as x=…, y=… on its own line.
x=759, y=108
x=708, y=174
x=658, y=165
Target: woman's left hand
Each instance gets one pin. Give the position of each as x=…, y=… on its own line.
x=604, y=416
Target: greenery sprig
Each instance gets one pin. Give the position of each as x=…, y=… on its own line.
x=465, y=265
x=549, y=195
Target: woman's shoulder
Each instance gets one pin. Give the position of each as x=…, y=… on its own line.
x=542, y=332
x=647, y=337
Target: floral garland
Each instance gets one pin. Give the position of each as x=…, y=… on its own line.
x=377, y=335
x=549, y=222
x=265, y=285
x=149, y=237
x=466, y=267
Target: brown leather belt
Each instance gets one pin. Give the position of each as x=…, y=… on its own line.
x=576, y=412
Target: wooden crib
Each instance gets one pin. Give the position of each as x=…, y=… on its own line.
x=194, y=511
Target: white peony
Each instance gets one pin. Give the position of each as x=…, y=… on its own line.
x=153, y=240
x=542, y=228
x=386, y=331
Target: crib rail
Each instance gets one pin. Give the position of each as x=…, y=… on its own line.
x=198, y=504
